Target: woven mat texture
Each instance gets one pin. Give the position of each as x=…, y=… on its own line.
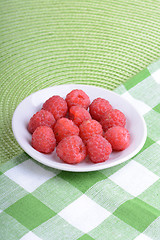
x=45, y=43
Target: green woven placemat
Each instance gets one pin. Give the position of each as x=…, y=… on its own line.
x=44, y=43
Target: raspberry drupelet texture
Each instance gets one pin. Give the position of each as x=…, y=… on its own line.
x=112, y=118
x=98, y=149
x=41, y=118
x=43, y=139
x=64, y=128
x=77, y=97
x=98, y=107
x=71, y=150
x=78, y=114
x=89, y=128
x=118, y=137
x=57, y=106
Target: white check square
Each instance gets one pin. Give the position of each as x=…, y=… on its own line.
x=30, y=236
x=142, y=237
x=140, y=106
x=158, y=142
x=156, y=76
x=134, y=178
x=84, y=214
x=29, y=175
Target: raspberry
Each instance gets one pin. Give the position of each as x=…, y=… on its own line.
x=98, y=107
x=98, y=149
x=78, y=114
x=57, y=106
x=71, y=149
x=113, y=118
x=41, y=118
x=77, y=97
x=89, y=128
x=64, y=128
x=118, y=137
x=43, y=139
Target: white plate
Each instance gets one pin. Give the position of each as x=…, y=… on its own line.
x=33, y=103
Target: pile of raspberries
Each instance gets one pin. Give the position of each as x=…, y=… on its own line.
x=75, y=131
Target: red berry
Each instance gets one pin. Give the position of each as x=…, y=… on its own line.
x=89, y=128
x=112, y=118
x=98, y=149
x=118, y=137
x=78, y=114
x=41, y=118
x=43, y=139
x=77, y=97
x=71, y=150
x=98, y=107
x=57, y=106
x=64, y=128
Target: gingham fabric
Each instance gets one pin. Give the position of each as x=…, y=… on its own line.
x=119, y=203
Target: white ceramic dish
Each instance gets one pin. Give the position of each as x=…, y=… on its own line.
x=33, y=103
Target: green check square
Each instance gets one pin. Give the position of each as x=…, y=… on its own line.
x=137, y=214
x=30, y=212
x=149, y=158
x=157, y=108
x=147, y=91
x=10, y=228
x=152, y=195
x=147, y=144
x=114, y=228
x=82, y=181
x=108, y=194
x=57, y=188
x=153, y=127
x=137, y=78
x=10, y=192
x=85, y=237
x=57, y=228
x=153, y=231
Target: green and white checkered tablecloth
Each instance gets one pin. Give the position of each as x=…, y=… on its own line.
x=119, y=203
